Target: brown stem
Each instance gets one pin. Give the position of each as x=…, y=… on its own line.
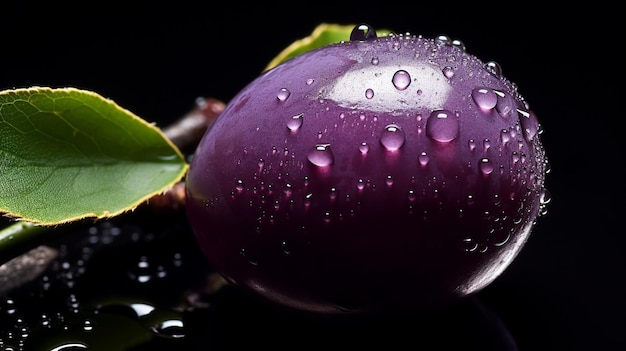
x=173, y=199
x=187, y=131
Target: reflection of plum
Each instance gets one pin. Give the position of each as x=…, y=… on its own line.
x=467, y=325
x=372, y=174
x=156, y=294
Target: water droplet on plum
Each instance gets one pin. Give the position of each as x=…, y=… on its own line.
x=469, y=244
x=360, y=184
x=321, y=155
x=442, y=126
x=364, y=148
x=443, y=39
x=505, y=136
x=486, y=144
x=459, y=44
x=529, y=123
x=260, y=163
x=363, y=32
x=392, y=137
x=471, y=144
x=485, y=165
x=389, y=180
x=411, y=196
x=295, y=122
x=505, y=103
x=423, y=158
x=333, y=194
x=544, y=199
x=448, y=72
x=283, y=94
x=401, y=79
x=485, y=98
x=494, y=68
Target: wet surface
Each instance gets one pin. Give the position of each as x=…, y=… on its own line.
x=140, y=283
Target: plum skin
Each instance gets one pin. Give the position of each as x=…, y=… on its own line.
x=423, y=190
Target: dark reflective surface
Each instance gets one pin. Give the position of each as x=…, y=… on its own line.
x=139, y=283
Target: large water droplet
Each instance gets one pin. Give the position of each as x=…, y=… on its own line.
x=369, y=93
x=321, y=155
x=485, y=98
x=505, y=104
x=459, y=44
x=401, y=79
x=392, y=137
x=364, y=148
x=485, y=165
x=295, y=122
x=448, y=72
x=529, y=123
x=443, y=39
x=362, y=32
x=442, y=126
x=283, y=94
x=423, y=158
x=494, y=68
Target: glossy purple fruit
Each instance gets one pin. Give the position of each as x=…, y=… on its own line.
x=368, y=175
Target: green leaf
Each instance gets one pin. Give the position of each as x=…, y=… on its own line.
x=324, y=34
x=67, y=154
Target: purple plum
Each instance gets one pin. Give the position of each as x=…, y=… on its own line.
x=375, y=174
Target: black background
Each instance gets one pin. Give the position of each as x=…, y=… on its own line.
x=566, y=290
